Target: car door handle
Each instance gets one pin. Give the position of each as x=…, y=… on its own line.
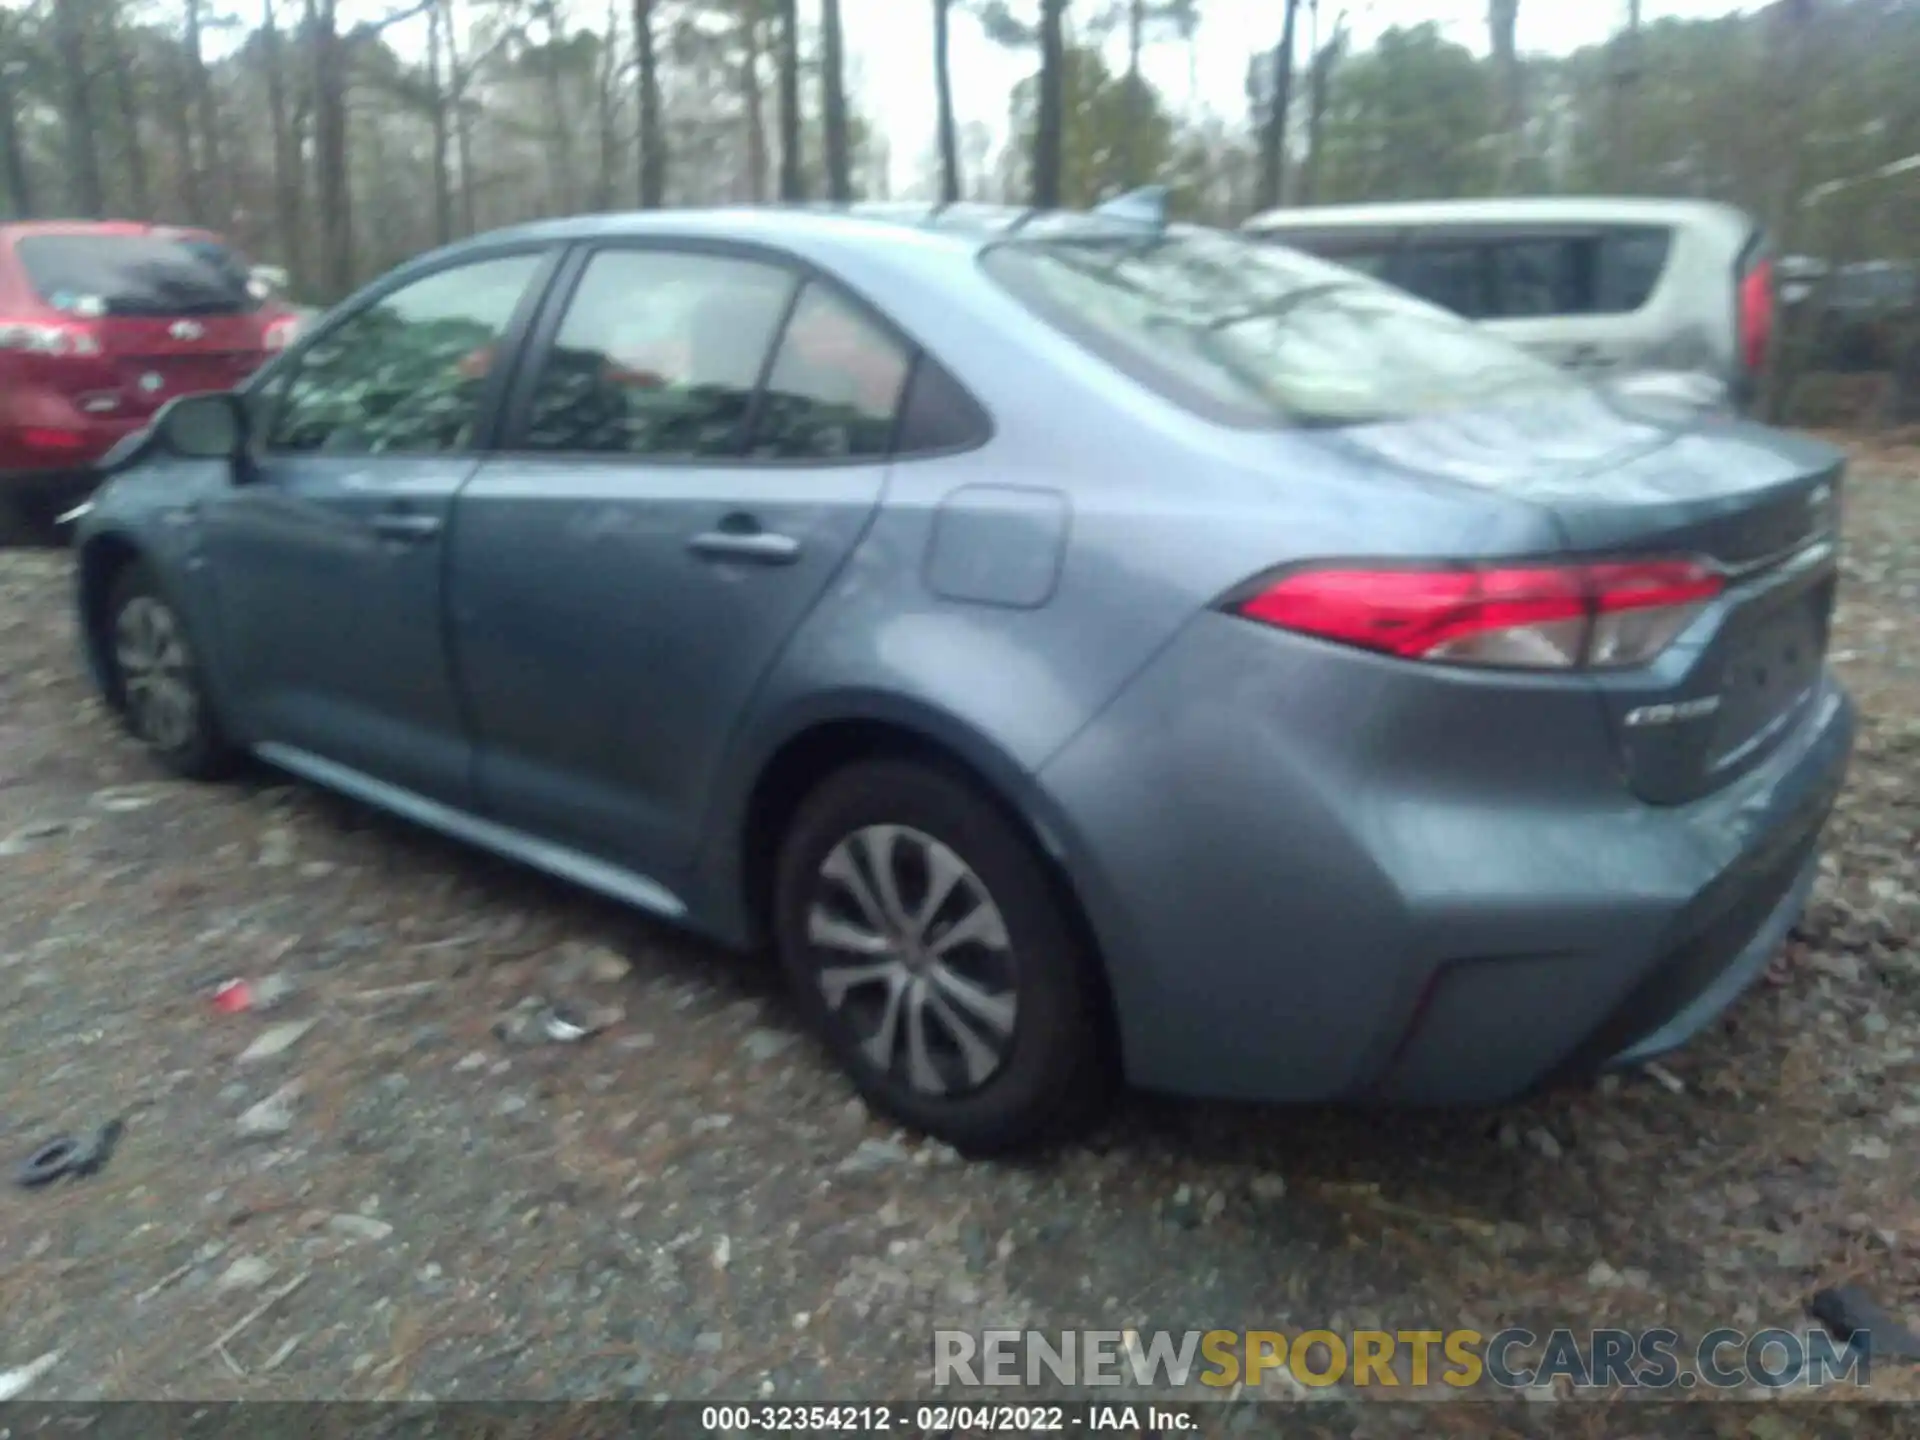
x=406, y=525
x=760, y=546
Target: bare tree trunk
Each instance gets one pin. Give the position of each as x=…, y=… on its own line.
x=754, y=100
x=1273, y=146
x=437, y=86
x=462, y=126
x=604, y=183
x=1502, y=17
x=1273, y=133
x=288, y=179
x=180, y=131
x=1319, y=82
x=76, y=109
x=653, y=138
x=564, y=189
x=127, y=103
x=1138, y=101
x=943, y=99
x=1622, y=161
x=793, y=183
x=1050, y=121
x=330, y=148
x=834, y=103
x=218, y=193
x=13, y=155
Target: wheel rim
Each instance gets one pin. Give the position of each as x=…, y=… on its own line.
x=913, y=957
x=156, y=674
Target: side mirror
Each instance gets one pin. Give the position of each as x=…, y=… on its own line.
x=203, y=427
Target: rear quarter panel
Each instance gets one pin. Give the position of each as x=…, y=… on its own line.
x=1158, y=514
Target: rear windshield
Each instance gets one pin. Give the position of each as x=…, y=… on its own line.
x=1251, y=333
x=135, y=275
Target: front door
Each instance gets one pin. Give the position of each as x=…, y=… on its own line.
x=628, y=567
x=328, y=554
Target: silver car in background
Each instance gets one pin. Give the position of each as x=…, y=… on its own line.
x=1615, y=289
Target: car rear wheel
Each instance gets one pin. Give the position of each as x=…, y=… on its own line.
x=925, y=941
x=157, y=678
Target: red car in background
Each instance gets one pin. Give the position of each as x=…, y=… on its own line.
x=102, y=323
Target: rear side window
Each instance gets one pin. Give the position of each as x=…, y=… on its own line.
x=91, y=275
x=1628, y=267
x=835, y=385
x=1255, y=334
x=659, y=354
x=1537, y=278
x=1450, y=275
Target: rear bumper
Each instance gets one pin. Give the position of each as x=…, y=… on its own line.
x=1317, y=889
x=43, y=435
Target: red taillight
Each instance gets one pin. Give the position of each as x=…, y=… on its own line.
x=36, y=337
x=1550, y=617
x=1756, y=315
x=57, y=441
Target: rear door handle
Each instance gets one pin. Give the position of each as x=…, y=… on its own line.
x=760, y=546
x=406, y=525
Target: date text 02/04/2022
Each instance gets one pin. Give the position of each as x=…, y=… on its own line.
x=942, y=1419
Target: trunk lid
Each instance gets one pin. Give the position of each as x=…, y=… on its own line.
x=1627, y=480
x=152, y=359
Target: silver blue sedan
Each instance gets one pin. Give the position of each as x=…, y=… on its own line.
x=1084, y=648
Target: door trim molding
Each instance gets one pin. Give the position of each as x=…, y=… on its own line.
x=568, y=864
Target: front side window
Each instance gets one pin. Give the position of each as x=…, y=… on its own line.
x=835, y=386
x=1254, y=334
x=659, y=354
x=406, y=375
x=1533, y=279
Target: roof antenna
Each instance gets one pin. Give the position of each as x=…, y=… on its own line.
x=1145, y=206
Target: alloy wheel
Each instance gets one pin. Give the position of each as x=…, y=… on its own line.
x=914, y=957
x=156, y=673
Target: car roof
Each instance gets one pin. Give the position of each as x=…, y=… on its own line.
x=28, y=229
x=963, y=228
x=1526, y=210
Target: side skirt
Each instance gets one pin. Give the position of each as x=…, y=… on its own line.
x=583, y=870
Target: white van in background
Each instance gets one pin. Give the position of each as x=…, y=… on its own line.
x=1616, y=289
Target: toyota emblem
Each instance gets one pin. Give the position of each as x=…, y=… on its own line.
x=185, y=330
x=151, y=382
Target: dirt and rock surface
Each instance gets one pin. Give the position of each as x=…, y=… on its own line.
x=387, y=1182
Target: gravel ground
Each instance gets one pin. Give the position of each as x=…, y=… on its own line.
x=402, y=1203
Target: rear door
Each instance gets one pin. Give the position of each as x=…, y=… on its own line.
x=700, y=439
x=168, y=320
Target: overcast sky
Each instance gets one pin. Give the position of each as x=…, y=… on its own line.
x=891, y=52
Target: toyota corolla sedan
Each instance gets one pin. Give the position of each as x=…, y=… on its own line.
x=1085, y=649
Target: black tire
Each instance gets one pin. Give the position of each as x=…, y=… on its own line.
x=1054, y=1073
x=27, y=521
x=193, y=747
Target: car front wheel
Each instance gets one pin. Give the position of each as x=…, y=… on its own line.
x=925, y=941
x=157, y=679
